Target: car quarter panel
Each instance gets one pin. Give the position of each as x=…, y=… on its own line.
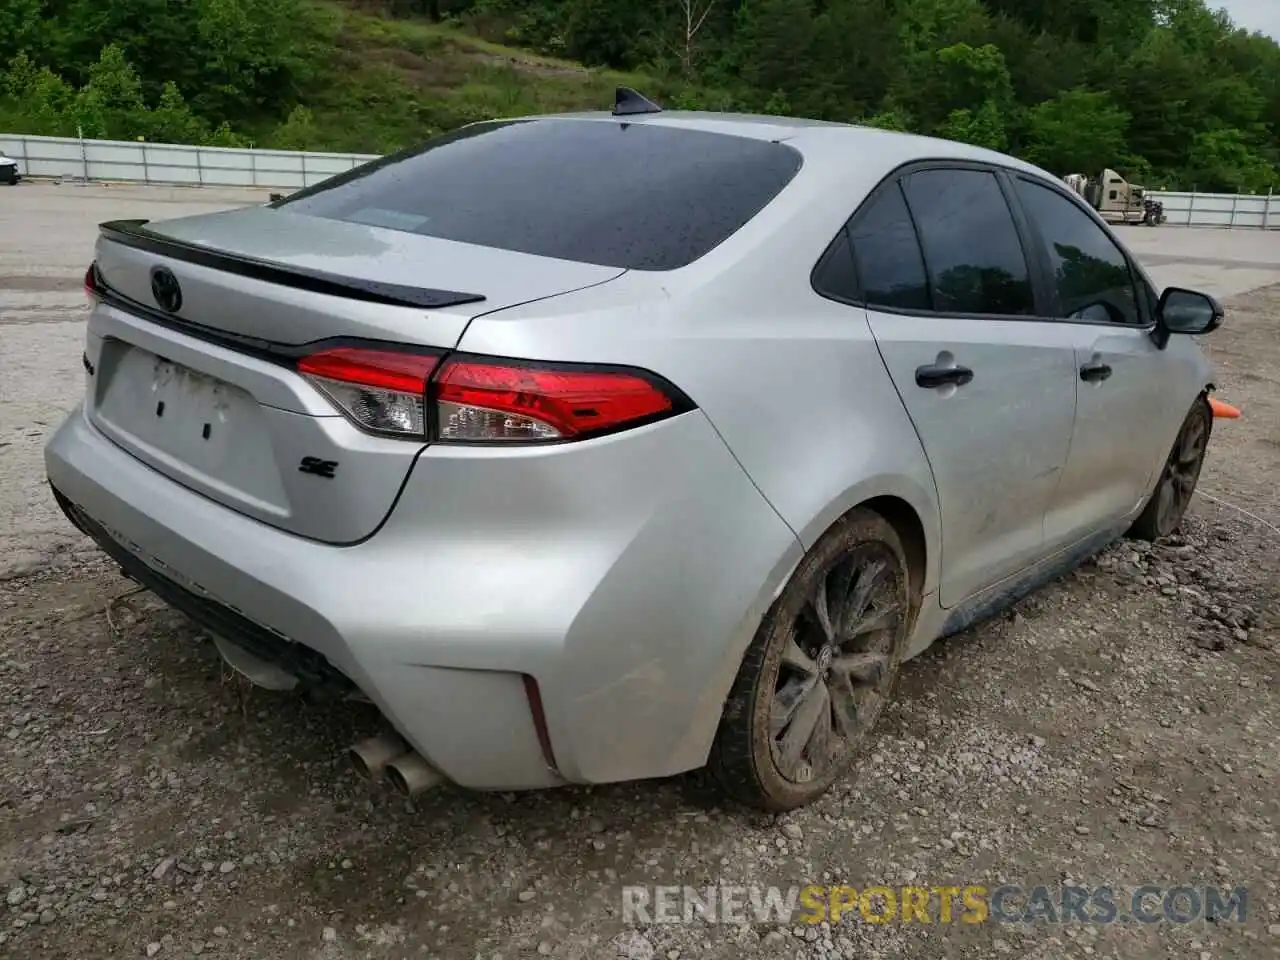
x=792, y=381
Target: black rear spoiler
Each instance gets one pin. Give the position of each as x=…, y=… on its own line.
x=134, y=233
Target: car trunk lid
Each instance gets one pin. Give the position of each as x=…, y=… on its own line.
x=281, y=279
x=203, y=387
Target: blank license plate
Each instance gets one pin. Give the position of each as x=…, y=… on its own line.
x=175, y=411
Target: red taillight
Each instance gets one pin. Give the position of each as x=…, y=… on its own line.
x=485, y=400
x=481, y=399
x=383, y=391
x=92, y=288
x=384, y=369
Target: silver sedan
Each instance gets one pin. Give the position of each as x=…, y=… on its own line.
x=609, y=446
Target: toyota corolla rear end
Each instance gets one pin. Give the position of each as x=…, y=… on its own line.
x=539, y=571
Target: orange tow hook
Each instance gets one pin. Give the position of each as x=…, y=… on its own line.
x=1223, y=411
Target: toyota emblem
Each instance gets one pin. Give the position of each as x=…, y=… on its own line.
x=164, y=287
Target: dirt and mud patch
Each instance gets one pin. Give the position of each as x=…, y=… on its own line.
x=1118, y=728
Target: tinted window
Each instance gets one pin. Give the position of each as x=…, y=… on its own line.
x=888, y=254
x=617, y=194
x=1090, y=273
x=975, y=259
x=836, y=276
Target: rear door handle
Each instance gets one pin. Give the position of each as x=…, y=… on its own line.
x=932, y=377
x=1095, y=372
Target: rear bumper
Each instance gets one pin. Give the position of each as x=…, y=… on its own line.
x=210, y=613
x=625, y=576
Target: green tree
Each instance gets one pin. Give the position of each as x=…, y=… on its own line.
x=888, y=119
x=298, y=132
x=230, y=57
x=1224, y=160
x=853, y=59
x=1078, y=131
x=603, y=31
x=223, y=136
x=974, y=75
x=958, y=77
x=983, y=127
x=247, y=52
x=773, y=43
x=110, y=105
x=926, y=26
x=21, y=27
x=35, y=100
x=171, y=120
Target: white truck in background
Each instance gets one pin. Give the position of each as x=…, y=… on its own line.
x=1117, y=200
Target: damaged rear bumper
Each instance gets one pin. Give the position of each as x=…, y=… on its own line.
x=598, y=649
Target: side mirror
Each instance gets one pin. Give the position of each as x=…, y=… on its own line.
x=1186, y=311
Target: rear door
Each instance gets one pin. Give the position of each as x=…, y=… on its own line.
x=989, y=386
x=1130, y=393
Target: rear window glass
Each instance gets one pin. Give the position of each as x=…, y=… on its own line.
x=611, y=193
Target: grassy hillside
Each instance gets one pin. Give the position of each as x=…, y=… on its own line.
x=393, y=81
x=294, y=74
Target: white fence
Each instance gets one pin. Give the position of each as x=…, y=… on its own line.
x=165, y=163
x=1221, y=210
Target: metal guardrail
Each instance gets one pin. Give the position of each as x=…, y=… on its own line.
x=1232, y=210
x=173, y=164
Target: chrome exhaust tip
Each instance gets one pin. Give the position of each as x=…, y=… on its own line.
x=411, y=775
x=370, y=757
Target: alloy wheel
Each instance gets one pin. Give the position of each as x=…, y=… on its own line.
x=836, y=669
x=1181, y=472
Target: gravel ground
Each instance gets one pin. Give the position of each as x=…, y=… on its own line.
x=1118, y=727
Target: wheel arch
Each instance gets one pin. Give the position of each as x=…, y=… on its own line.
x=911, y=510
x=910, y=529
x=913, y=515
x=872, y=514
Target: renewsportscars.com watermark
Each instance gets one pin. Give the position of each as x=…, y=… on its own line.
x=942, y=904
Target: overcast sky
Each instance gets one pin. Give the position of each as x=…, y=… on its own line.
x=1261, y=15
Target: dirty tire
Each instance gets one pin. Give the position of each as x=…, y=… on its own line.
x=1174, y=489
x=820, y=668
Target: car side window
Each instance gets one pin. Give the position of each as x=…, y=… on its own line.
x=971, y=246
x=1091, y=274
x=887, y=252
x=835, y=276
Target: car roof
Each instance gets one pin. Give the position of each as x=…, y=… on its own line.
x=819, y=139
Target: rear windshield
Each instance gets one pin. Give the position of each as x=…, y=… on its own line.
x=610, y=193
